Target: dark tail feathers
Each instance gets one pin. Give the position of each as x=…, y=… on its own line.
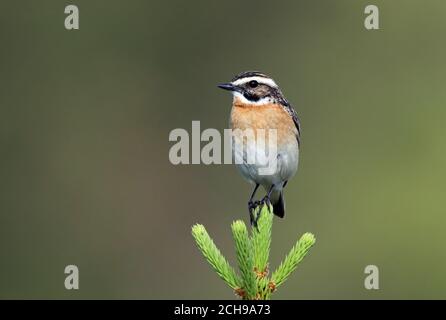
x=278, y=204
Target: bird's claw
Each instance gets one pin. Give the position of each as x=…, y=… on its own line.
x=252, y=206
x=266, y=201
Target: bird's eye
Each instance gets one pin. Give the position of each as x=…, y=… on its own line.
x=253, y=83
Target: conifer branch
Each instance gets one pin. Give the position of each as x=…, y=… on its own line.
x=297, y=253
x=245, y=259
x=252, y=252
x=214, y=257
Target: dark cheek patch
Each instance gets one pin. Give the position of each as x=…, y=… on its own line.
x=251, y=97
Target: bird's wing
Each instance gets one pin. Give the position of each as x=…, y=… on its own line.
x=296, y=122
x=289, y=108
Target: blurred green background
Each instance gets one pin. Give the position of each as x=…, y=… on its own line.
x=85, y=117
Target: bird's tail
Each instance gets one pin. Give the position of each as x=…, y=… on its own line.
x=278, y=203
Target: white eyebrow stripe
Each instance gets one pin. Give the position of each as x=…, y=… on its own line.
x=268, y=81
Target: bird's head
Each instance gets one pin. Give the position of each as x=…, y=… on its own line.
x=255, y=88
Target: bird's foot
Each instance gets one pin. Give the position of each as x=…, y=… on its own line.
x=266, y=201
x=252, y=205
x=254, y=214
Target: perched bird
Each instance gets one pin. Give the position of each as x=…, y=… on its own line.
x=257, y=104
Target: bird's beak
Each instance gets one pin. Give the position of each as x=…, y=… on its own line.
x=227, y=86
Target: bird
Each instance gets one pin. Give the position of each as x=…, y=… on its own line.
x=258, y=103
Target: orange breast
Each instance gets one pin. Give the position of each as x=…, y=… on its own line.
x=268, y=116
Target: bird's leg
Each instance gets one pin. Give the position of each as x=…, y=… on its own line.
x=265, y=200
x=252, y=205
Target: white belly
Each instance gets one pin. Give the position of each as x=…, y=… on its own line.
x=285, y=166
